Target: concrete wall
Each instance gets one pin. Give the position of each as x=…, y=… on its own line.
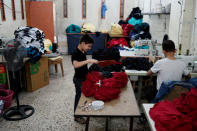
x=159, y=24
x=187, y=22
x=93, y=14
x=193, y=46
x=7, y=27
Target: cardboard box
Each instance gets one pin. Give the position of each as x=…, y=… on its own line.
x=37, y=75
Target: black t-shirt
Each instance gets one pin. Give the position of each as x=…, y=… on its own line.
x=80, y=72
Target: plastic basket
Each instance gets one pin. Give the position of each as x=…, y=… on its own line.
x=6, y=97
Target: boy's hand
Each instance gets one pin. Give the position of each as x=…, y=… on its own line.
x=93, y=61
x=151, y=58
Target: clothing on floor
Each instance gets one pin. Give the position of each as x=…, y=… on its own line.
x=169, y=70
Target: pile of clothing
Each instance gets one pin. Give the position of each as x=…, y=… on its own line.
x=166, y=87
x=106, y=69
x=141, y=31
x=73, y=29
x=137, y=64
x=135, y=17
x=117, y=42
x=88, y=28
x=102, y=88
x=33, y=39
x=178, y=115
x=106, y=54
x=134, y=26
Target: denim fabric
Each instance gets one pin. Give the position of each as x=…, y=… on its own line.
x=168, y=86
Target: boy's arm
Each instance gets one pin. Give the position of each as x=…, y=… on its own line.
x=149, y=72
x=156, y=68
x=78, y=64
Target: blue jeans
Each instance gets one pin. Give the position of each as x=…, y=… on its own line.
x=77, y=83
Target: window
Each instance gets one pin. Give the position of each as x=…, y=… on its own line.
x=22, y=10
x=83, y=9
x=13, y=10
x=2, y=10
x=65, y=8
x=121, y=9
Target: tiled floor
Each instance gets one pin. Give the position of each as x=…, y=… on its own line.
x=54, y=108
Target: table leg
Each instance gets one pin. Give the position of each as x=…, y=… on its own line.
x=106, y=124
x=139, y=88
x=131, y=124
x=87, y=123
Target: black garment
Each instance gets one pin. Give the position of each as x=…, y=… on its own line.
x=80, y=72
x=106, y=54
x=136, y=13
x=77, y=83
x=137, y=64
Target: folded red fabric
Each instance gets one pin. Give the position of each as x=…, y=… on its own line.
x=104, y=89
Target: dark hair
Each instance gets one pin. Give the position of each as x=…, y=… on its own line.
x=165, y=37
x=168, y=45
x=87, y=39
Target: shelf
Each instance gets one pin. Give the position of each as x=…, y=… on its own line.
x=155, y=13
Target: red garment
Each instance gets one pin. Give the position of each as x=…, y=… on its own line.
x=187, y=102
x=104, y=88
x=167, y=118
x=117, y=42
x=178, y=115
x=127, y=29
x=127, y=19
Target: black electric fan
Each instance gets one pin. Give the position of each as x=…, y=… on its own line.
x=14, y=54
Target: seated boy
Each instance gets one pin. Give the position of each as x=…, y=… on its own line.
x=168, y=69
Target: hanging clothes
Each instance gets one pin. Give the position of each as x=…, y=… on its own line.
x=104, y=9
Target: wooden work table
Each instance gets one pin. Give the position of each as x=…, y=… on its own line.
x=124, y=106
